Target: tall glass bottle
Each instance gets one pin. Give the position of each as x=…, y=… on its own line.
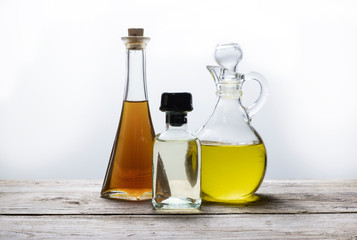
x=129, y=172
x=233, y=153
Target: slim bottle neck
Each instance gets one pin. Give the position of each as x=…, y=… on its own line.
x=136, y=89
x=228, y=104
x=229, y=90
x=176, y=121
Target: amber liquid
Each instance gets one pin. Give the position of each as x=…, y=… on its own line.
x=129, y=173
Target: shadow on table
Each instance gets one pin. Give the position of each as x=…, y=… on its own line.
x=256, y=200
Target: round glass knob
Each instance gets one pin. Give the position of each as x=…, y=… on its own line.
x=228, y=56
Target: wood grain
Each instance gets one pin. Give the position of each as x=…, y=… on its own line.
x=82, y=197
x=241, y=226
x=287, y=209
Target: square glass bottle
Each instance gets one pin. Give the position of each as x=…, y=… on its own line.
x=176, y=158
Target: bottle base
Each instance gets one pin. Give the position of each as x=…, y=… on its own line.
x=174, y=203
x=236, y=200
x=127, y=195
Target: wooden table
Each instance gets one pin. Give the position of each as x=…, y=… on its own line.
x=288, y=209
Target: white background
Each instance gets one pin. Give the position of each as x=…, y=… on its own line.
x=62, y=79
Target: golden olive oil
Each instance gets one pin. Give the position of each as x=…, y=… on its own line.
x=232, y=173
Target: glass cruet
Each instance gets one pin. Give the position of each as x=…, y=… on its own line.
x=233, y=153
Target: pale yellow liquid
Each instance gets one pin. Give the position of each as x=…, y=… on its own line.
x=232, y=173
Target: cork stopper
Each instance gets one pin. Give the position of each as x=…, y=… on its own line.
x=136, y=39
x=136, y=32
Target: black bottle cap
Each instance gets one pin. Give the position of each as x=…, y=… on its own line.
x=176, y=102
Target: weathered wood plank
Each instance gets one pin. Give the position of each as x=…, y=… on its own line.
x=82, y=197
x=253, y=226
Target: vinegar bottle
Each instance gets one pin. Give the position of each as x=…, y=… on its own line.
x=129, y=172
x=176, y=158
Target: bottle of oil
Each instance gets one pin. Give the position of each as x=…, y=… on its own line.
x=233, y=153
x=176, y=158
x=129, y=172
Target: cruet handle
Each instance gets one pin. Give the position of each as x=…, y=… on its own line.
x=255, y=107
